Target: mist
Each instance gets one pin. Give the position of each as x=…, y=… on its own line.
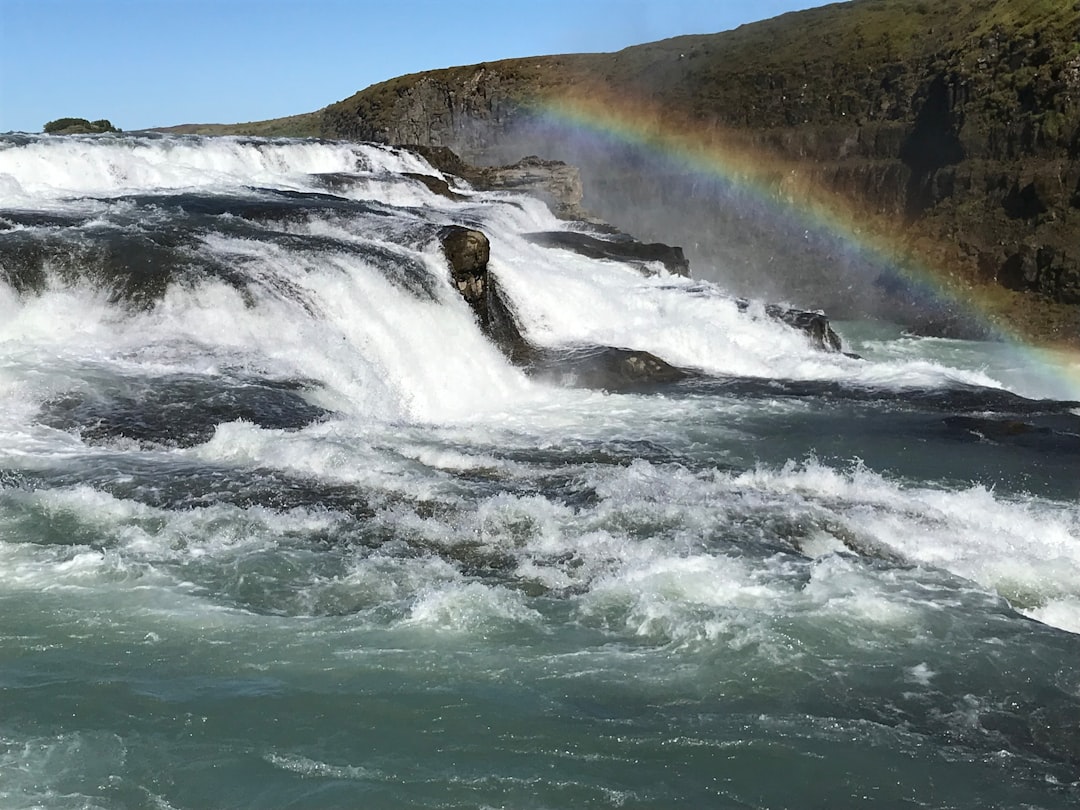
x=752, y=243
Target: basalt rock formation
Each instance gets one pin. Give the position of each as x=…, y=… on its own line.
x=949, y=131
x=556, y=183
x=619, y=247
x=553, y=181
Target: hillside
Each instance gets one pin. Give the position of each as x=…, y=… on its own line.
x=304, y=125
x=949, y=128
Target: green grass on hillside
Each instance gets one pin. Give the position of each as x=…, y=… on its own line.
x=305, y=125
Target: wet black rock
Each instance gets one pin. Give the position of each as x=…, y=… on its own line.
x=135, y=266
x=138, y=248
x=1054, y=433
x=436, y=185
x=11, y=218
x=606, y=368
x=467, y=251
x=618, y=247
x=275, y=205
x=169, y=481
x=958, y=400
x=179, y=410
x=815, y=325
x=992, y=428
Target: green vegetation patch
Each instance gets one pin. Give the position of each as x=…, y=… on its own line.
x=78, y=126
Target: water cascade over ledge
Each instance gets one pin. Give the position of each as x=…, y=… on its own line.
x=296, y=512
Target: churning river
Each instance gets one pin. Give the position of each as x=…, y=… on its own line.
x=281, y=528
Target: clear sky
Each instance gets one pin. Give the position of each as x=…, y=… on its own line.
x=146, y=63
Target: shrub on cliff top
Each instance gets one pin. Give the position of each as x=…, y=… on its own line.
x=78, y=126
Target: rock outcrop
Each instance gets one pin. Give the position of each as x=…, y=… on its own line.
x=553, y=181
x=468, y=252
x=78, y=126
x=619, y=247
x=815, y=325
x=557, y=183
x=950, y=129
x=606, y=368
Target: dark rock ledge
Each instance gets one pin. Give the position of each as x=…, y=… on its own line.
x=556, y=183
x=619, y=247
x=815, y=324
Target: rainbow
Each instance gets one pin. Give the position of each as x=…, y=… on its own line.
x=790, y=200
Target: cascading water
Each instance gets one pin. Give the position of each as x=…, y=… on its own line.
x=281, y=527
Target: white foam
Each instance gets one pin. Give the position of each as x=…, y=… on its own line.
x=56, y=167
x=54, y=771
x=345, y=332
x=62, y=317
x=441, y=368
x=472, y=607
x=1025, y=548
x=641, y=555
x=564, y=298
x=1062, y=613
x=920, y=674
x=314, y=768
x=114, y=543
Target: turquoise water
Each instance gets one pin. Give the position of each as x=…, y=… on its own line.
x=294, y=535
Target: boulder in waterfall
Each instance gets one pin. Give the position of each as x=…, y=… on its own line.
x=815, y=324
x=467, y=251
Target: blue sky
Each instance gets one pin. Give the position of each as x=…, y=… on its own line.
x=144, y=63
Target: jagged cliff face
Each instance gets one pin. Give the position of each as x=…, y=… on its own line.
x=955, y=123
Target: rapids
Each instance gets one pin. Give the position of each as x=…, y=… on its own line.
x=281, y=528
